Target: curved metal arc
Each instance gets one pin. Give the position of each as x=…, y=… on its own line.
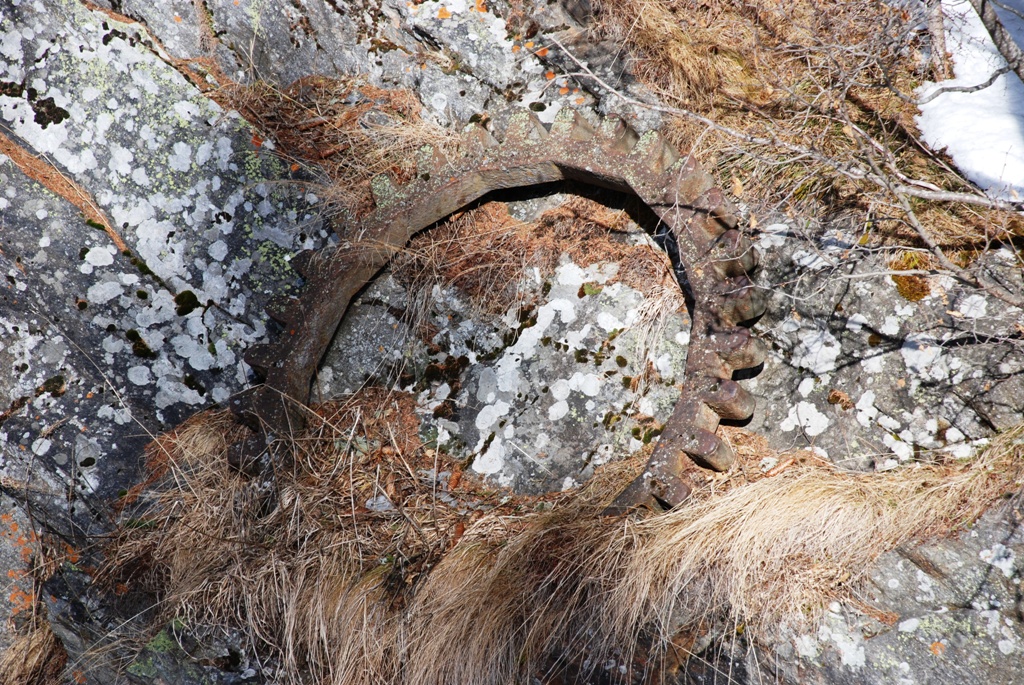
x=612, y=157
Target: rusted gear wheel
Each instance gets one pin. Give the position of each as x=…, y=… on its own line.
x=717, y=257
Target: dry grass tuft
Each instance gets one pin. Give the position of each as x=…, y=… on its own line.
x=484, y=253
x=479, y=586
x=35, y=658
x=833, y=76
x=347, y=129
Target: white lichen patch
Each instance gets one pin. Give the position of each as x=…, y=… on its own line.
x=924, y=359
x=104, y=292
x=817, y=351
x=805, y=415
x=548, y=392
x=1001, y=557
x=176, y=179
x=973, y=306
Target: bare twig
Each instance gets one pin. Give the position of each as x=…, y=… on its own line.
x=963, y=89
x=850, y=169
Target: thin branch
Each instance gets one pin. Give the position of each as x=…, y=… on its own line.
x=963, y=89
x=849, y=169
x=1011, y=10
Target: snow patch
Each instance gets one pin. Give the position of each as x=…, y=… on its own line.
x=982, y=131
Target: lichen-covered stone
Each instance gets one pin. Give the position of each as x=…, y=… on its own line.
x=870, y=378
x=952, y=615
x=111, y=347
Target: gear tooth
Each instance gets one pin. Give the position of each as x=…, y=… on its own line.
x=569, y=123
x=384, y=190
x=670, y=490
x=261, y=358
x=653, y=151
x=282, y=310
x=744, y=302
x=478, y=140
x=719, y=209
x=622, y=136
x=582, y=129
x=524, y=128
x=691, y=186
x=728, y=399
x=426, y=160
x=740, y=349
x=708, y=450
x=302, y=263
x=733, y=254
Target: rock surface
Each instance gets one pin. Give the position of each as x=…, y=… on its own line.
x=950, y=614
x=110, y=336
x=874, y=378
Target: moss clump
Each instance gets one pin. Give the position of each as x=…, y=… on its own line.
x=911, y=287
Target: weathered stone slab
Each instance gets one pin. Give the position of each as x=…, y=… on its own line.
x=869, y=377
x=112, y=346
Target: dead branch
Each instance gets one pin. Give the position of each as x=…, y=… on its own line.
x=937, y=33
x=849, y=169
x=963, y=89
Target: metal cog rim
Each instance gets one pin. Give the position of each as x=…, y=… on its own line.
x=717, y=258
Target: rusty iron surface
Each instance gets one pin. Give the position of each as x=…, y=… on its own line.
x=717, y=258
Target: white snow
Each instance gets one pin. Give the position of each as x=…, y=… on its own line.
x=983, y=131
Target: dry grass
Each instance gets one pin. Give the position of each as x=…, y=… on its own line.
x=35, y=658
x=484, y=252
x=347, y=130
x=821, y=74
x=450, y=593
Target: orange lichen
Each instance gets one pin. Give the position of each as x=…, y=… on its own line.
x=443, y=13
x=21, y=601
x=841, y=398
